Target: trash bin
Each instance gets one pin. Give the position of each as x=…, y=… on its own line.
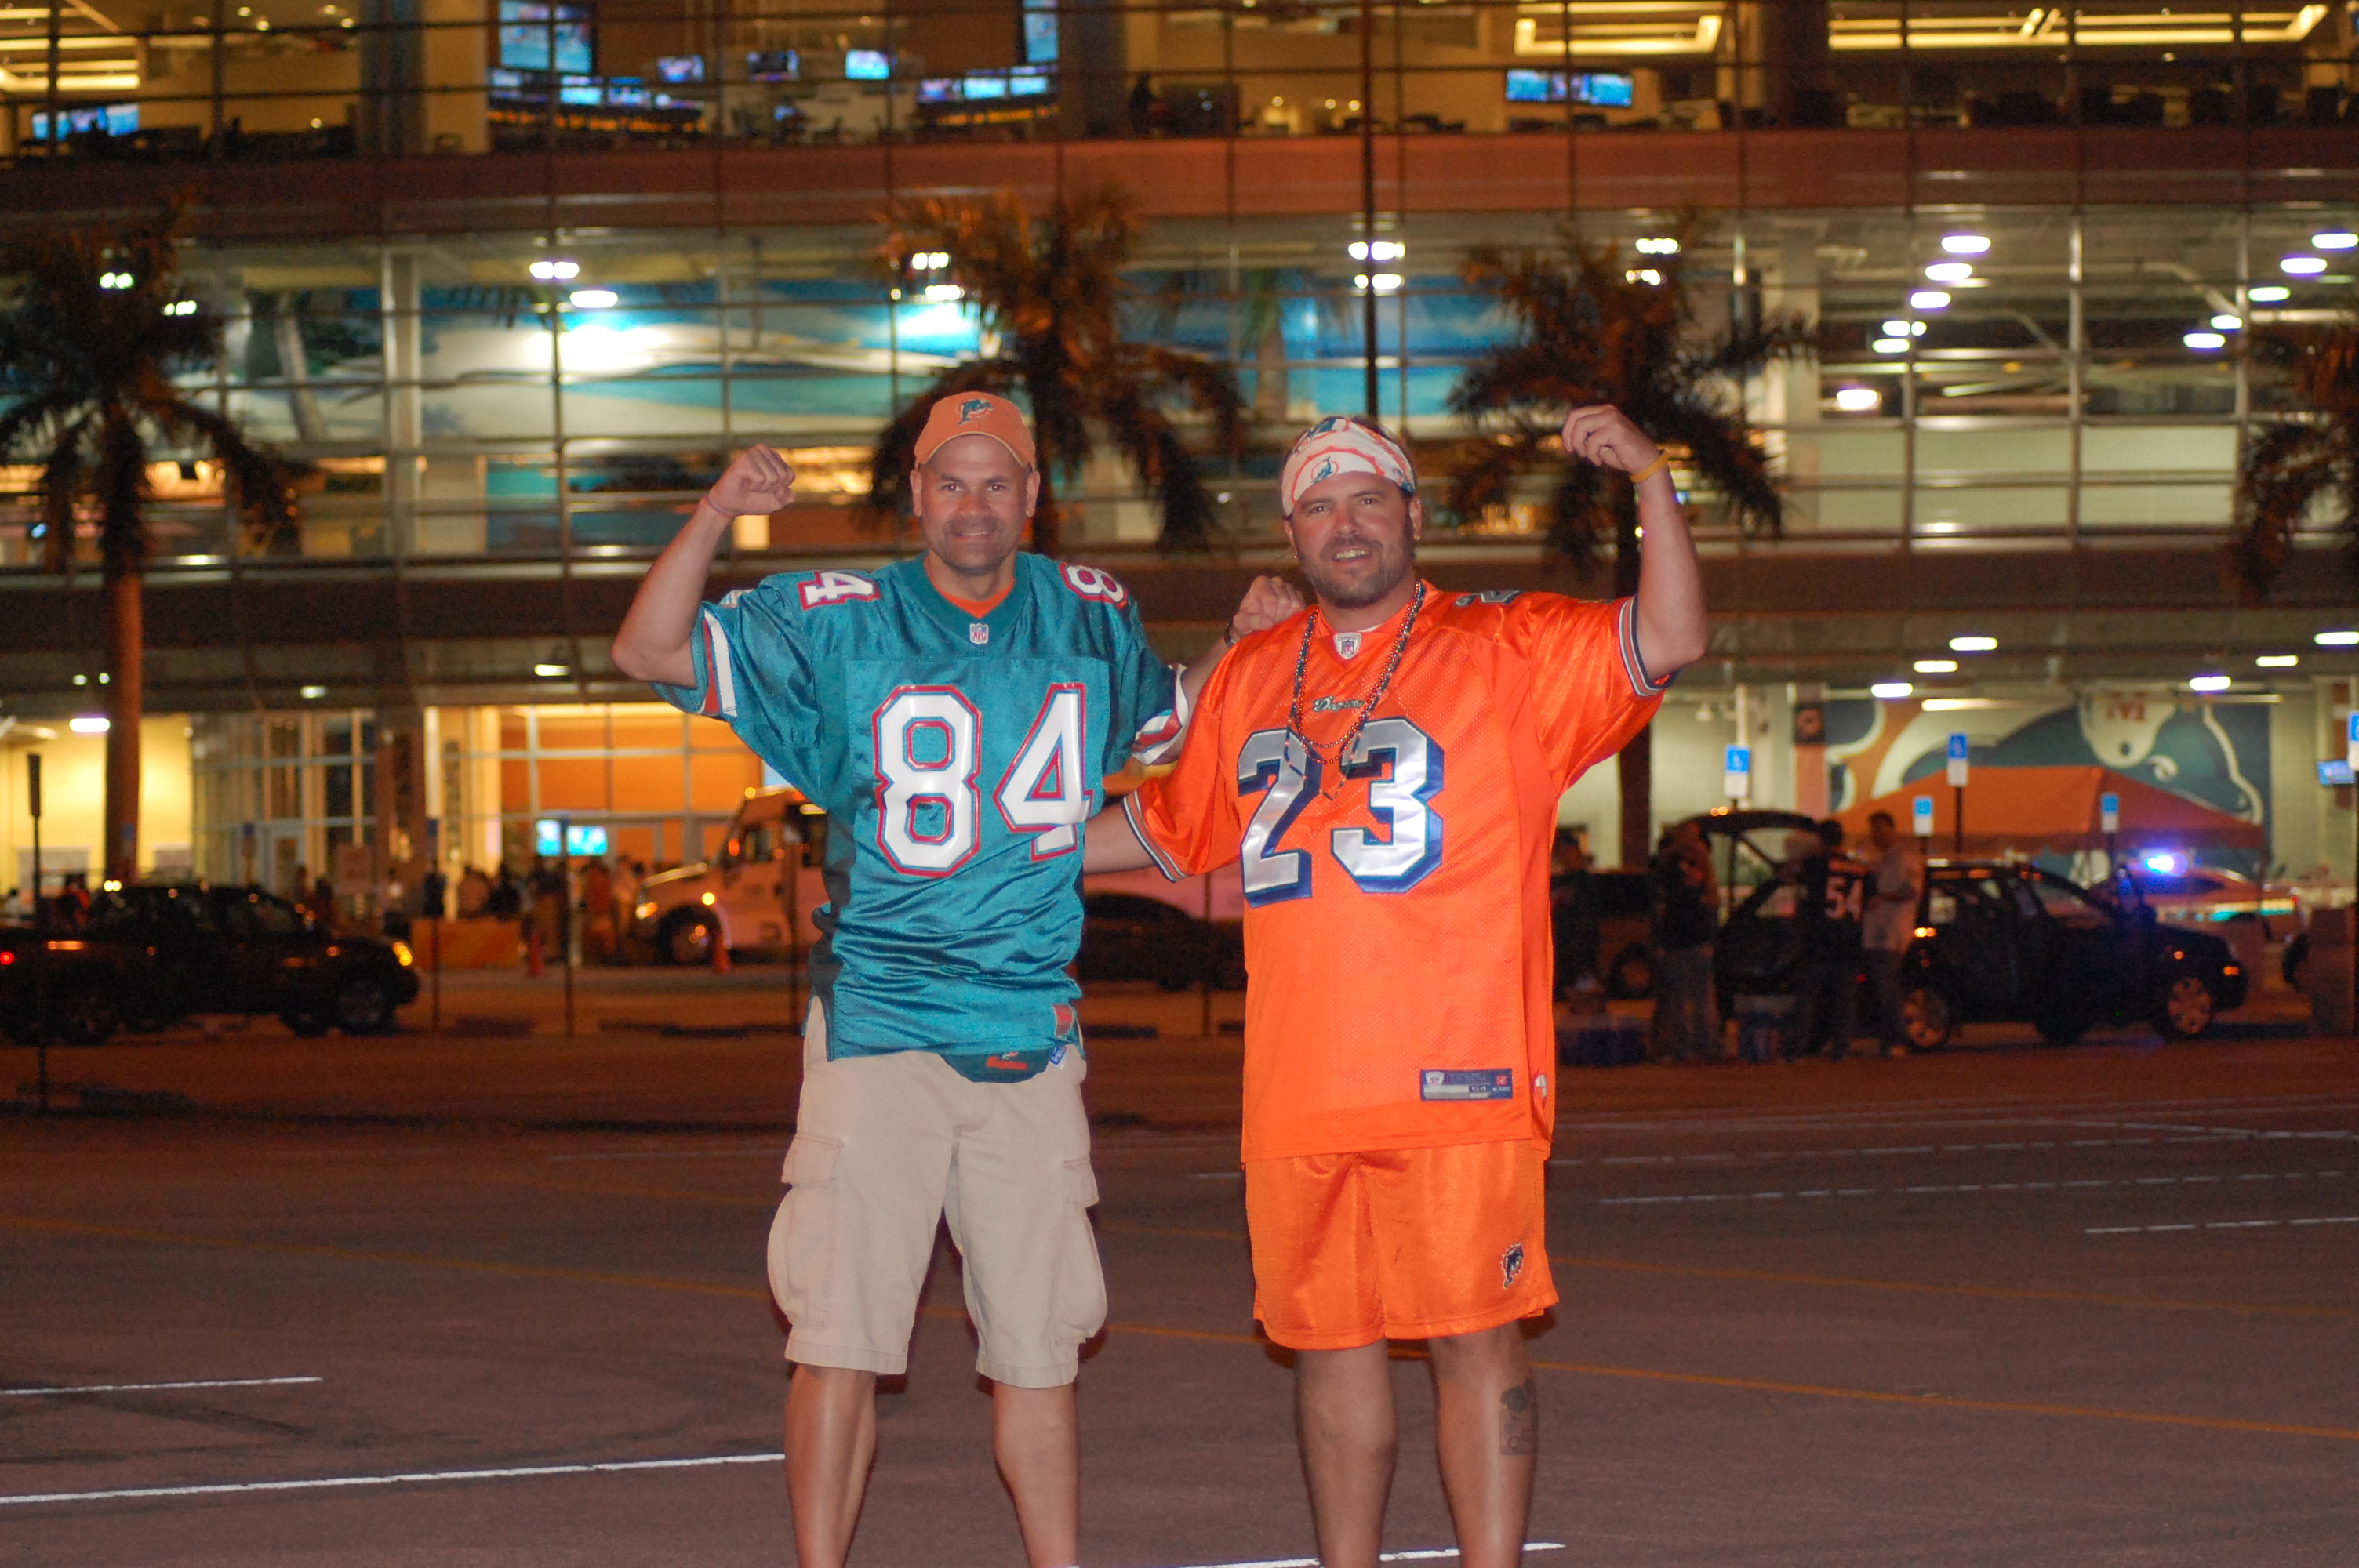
x=1765, y=1027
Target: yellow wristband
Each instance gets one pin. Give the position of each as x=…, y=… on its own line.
x=1662, y=461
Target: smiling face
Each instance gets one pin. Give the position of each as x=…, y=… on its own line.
x=971, y=498
x=1356, y=536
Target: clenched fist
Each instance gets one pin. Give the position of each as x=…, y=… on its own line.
x=757, y=482
x=1269, y=603
x=1600, y=434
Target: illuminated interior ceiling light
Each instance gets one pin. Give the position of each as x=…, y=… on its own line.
x=2268, y=294
x=1929, y=299
x=593, y=299
x=2278, y=661
x=1663, y=245
x=2303, y=266
x=1937, y=666
x=2205, y=342
x=930, y=261
x=1890, y=345
x=1949, y=272
x=551, y=671
x=944, y=293
x=2337, y=639
x=114, y=280
x=1966, y=244
x=2336, y=239
x=1858, y=399
x=2208, y=683
x=1644, y=274
x=1386, y=281
x=555, y=269
x=2046, y=27
x=1382, y=250
x=1891, y=690
x=1586, y=29
x=87, y=724
x=313, y=693
x=2226, y=323
x=85, y=680
x=1974, y=642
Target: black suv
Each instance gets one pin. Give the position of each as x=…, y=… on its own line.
x=149, y=955
x=2018, y=944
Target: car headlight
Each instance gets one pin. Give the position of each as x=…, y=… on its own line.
x=401, y=953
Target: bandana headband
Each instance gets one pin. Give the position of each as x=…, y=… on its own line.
x=1341, y=445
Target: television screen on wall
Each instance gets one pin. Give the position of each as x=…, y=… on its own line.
x=681, y=68
x=773, y=65
x=867, y=65
x=1600, y=88
x=535, y=36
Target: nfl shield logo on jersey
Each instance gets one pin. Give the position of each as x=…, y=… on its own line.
x=978, y=633
x=1511, y=1265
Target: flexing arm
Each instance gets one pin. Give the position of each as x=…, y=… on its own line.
x=1672, y=630
x=653, y=644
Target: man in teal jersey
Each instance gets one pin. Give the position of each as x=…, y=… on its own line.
x=954, y=715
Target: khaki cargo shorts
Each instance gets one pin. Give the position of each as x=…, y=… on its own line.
x=884, y=1147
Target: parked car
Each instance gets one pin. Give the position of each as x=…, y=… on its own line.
x=2014, y=943
x=1608, y=932
x=772, y=855
x=151, y=954
x=1129, y=937
x=2202, y=896
x=59, y=986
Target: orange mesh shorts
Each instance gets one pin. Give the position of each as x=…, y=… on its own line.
x=1401, y=1244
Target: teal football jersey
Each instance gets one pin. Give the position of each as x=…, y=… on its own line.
x=959, y=760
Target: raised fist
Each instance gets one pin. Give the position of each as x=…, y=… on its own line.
x=1269, y=602
x=1599, y=433
x=757, y=482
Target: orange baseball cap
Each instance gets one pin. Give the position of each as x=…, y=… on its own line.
x=976, y=413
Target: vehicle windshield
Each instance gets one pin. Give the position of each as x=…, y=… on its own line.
x=2065, y=904
x=259, y=914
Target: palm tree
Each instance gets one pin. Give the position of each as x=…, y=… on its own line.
x=2293, y=462
x=1050, y=293
x=1598, y=325
x=93, y=331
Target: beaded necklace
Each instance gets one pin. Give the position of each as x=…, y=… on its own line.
x=1302, y=661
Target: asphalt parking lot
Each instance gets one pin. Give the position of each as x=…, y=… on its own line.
x=494, y=1296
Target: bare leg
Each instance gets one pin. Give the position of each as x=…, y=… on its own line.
x=1488, y=1434
x=831, y=1444
x=1343, y=1416
x=1036, y=1441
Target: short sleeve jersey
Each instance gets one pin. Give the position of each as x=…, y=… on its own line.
x=959, y=759
x=1396, y=919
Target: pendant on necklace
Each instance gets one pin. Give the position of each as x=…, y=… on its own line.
x=978, y=633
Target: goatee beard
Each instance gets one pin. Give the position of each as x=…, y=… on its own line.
x=1345, y=595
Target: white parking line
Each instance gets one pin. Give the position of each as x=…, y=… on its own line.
x=327, y=1483
x=2219, y=1225
x=1429, y=1554
x=772, y=1150
x=2083, y=1185
x=146, y=1387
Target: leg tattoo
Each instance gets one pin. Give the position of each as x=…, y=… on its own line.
x=1519, y=1419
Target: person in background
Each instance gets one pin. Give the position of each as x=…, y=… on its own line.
x=506, y=899
x=393, y=908
x=475, y=892
x=1896, y=876
x=1683, y=899
x=1573, y=932
x=597, y=914
x=320, y=905
x=1829, y=886
x=545, y=884
x=13, y=907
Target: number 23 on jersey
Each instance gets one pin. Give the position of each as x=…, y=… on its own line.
x=929, y=747
x=1402, y=767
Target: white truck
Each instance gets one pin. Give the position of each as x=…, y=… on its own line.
x=764, y=881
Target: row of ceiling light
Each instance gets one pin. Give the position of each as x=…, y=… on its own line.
x=2213, y=337
x=1894, y=690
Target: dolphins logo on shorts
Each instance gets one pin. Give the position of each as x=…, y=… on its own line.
x=1511, y=1266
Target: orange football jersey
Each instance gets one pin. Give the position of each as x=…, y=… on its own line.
x=1397, y=901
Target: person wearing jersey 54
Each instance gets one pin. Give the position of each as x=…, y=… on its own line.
x=954, y=715
x=1387, y=766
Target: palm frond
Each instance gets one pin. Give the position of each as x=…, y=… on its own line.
x=2287, y=467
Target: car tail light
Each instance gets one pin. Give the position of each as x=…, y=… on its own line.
x=6, y=959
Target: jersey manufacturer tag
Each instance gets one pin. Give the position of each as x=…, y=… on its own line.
x=1467, y=1082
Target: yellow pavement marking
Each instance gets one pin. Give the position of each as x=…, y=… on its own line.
x=1994, y=1293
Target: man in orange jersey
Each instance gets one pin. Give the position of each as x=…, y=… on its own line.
x=1386, y=766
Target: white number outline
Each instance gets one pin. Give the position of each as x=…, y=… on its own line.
x=1088, y=582
x=886, y=808
x=835, y=585
x=1064, y=725
x=1288, y=779
x=1388, y=739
